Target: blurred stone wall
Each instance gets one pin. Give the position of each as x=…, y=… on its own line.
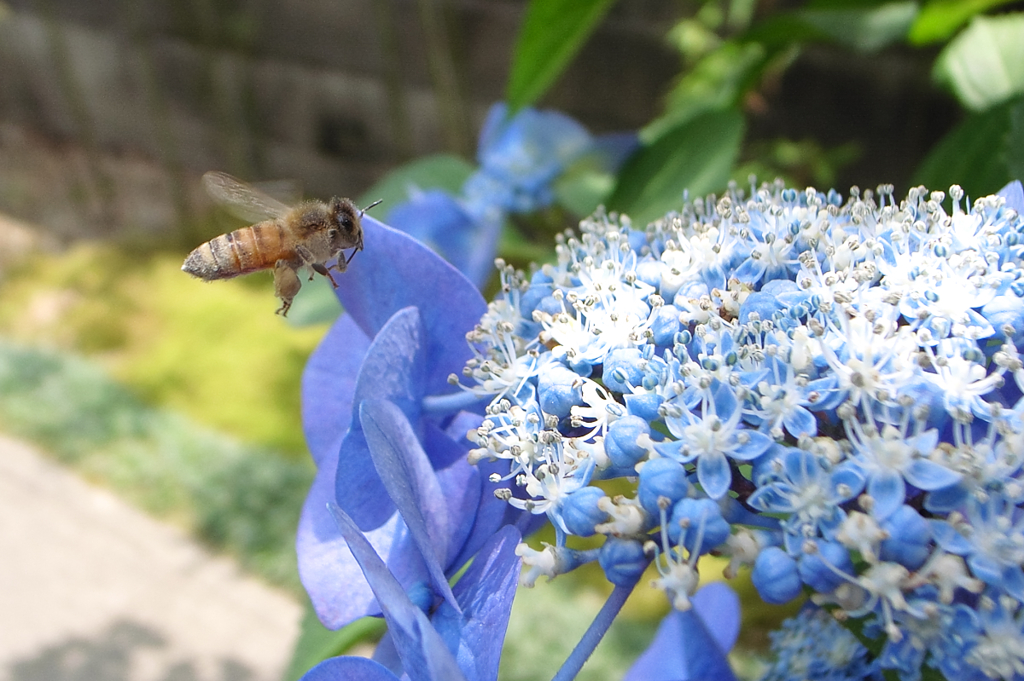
x=110, y=110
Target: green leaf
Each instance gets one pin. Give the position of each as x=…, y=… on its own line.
x=442, y=171
x=866, y=30
x=582, y=191
x=1015, y=142
x=696, y=156
x=716, y=82
x=317, y=643
x=975, y=154
x=940, y=19
x=984, y=65
x=552, y=33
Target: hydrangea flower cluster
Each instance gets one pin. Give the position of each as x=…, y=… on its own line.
x=827, y=390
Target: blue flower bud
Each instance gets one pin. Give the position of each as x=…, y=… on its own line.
x=661, y=478
x=540, y=277
x=909, y=542
x=775, y=576
x=622, y=369
x=620, y=443
x=703, y=521
x=644, y=406
x=637, y=239
x=548, y=305
x=665, y=324
x=532, y=298
x=579, y=511
x=649, y=272
x=764, y=304
x=1006, y=310
x=556, y=390
x=623, y=560
x=814, y=567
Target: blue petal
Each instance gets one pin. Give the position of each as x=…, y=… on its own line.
x=1014, y=195
x=714, y=474
x=422, y=650
x=829, y=396
x=887, y=488
x=327, y=568
x=930, y=476
x=1013, y=581
x=693, y=644
x=852, y=477
x=485, y=593
x=757, y=444
x=328, y=386
x=948, y=538
x=395, y=271
x=349, y=669
x=409, y=480
x=392, y=370
x=719, y=607
x=466, y=240
x=491, y=514
x=798, y=421
x=985, y=568
x=725, y=400
x=946, y=499
x=772, y=499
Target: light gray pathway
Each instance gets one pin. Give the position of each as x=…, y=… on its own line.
x=92, y=589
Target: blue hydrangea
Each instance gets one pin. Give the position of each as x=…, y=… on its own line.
x=813, y=645
x=850, y=369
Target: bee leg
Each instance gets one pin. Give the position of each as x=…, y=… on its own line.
x=286, y=285
x=320, y=269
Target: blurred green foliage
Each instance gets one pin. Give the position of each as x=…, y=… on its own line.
x=732, y=49
x=213, y=351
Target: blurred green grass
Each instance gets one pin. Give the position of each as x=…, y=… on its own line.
x=214, y=351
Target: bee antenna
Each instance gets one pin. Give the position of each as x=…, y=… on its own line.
x=378, y=201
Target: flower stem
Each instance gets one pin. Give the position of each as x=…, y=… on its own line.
x=594, y=633
x=440, y=404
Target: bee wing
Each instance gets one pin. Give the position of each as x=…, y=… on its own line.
x=242, y=200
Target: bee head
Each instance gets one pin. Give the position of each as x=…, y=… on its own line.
x=345, y=230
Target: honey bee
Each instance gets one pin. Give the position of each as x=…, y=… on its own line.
x=283, y=237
